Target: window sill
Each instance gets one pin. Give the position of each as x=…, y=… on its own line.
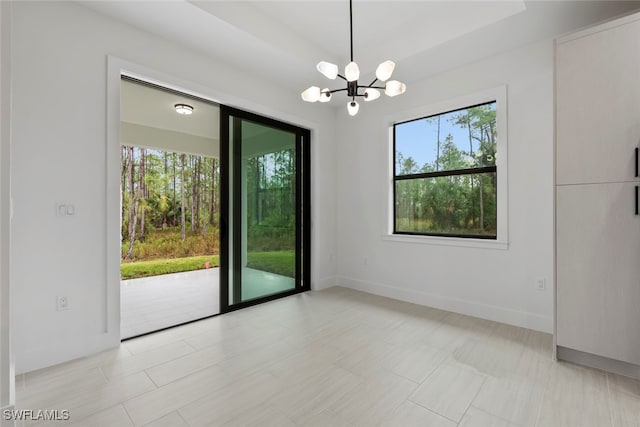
x=448, y=241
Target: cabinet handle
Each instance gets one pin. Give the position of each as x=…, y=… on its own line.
x=636, y=162
x=636, y=200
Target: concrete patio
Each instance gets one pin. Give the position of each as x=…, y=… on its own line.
x=151, y=303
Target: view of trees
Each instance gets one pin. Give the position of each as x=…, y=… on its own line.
x=458, y=203
x=170, y=204
x=271, y=201
x=171, y=210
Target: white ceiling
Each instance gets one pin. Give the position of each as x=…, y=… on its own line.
x=313, y=30
x=281, y=41
x=146, y=106
x=149, y=119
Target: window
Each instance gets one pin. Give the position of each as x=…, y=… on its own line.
x=445, y=174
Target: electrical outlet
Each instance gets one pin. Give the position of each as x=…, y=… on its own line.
x=62, y=303
x=65, y=209
x=541, y=284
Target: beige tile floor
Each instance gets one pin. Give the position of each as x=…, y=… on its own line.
x=333, y=358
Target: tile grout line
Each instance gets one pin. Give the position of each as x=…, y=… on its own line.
x=182, y=418
x=624, y=391
x=437, y=413
x=609, y=399
x=484, y=381
x=493, y=415
x=177, y=379
x=192, y=347
x=429, y=410
x=544, y=394
x=154, y=364
x=103, y=375
x=128, y=414
x=151, y=379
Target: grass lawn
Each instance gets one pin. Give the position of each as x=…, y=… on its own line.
x=133, y=270
x=277, y=262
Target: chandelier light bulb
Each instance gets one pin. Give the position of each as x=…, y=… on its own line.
x=329, y=70
x=384, y=70
x=325, y=95
x=370, y=94
x=353, y=107
x=352, y=72
x=394, y=87
x=311, y=94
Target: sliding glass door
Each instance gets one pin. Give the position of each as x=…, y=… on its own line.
x=266, y=215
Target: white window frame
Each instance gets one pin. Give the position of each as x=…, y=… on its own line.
x=499, y=95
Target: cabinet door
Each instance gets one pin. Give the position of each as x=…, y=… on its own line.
x=598, y=106
x=598, y=270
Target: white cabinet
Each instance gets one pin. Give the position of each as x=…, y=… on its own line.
x=597, y=229
x=598, y=106
x=598, y=270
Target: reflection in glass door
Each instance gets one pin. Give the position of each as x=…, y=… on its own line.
x=265, y=170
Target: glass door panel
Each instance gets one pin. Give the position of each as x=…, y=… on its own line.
x=267, y=223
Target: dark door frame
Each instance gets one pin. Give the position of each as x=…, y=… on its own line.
x=227, y=183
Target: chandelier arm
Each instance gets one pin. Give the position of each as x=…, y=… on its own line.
x=371, y=87
x=371, y=84
x=342, y=77
x=337, y=90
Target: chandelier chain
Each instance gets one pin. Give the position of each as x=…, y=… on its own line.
x=351, y=26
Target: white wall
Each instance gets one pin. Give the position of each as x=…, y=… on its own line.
x=59, y=66
x=7, y=389
x=489, y=283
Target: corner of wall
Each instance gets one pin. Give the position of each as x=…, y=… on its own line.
x=324, y=283
x=7, y=380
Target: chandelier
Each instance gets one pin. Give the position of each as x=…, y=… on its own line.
x=351, y=76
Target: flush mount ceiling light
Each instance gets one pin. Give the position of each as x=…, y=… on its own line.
x=184, y=109
x=351, y=76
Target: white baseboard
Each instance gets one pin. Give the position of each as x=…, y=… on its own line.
x=3, y=421
x=38, y=359
x=470, y=308
x=325, y=283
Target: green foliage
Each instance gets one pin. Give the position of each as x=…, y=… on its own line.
x=168, y=244
x=271, y=201
x=271, y=189
x=278, y=262
x=155, y=177
x=262, y=238
x=133, y=270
